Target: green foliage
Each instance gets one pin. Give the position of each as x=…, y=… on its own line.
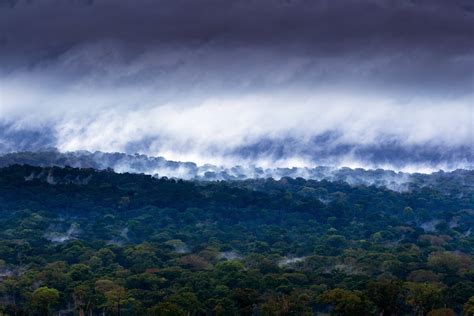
x=344, y=302
x=441, y=312
x=469, y=307
x=423, y=297
x=43, y=299
x=387, y=295
x=136, y=245
x=166, y=309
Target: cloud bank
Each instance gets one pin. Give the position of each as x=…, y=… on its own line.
x=272, y=83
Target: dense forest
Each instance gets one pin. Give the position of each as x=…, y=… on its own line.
x=160, y=167
x=88, y=242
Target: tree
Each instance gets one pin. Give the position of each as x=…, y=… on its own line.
x=387, y=295
x=469, y=307
x=423, y=297
x=166, y=309
x=450, y=262
x=83, y=296
x=275, y=306
x=141, y=257
x=188, y=301
x=345, y=302
x=116, y=298
x=79, y=272
x=408, y=213
x=114, y=294
x=245, y=298
x=441, y=312
x=43, y=299
x=336, y=241
x=459, y=293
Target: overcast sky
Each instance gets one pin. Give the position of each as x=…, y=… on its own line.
x=373, y=83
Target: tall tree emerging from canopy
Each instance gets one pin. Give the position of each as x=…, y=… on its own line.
x=43, y=299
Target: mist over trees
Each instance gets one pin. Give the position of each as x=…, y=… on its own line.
x=81, y=242
x=254, y=158
x=161, y=167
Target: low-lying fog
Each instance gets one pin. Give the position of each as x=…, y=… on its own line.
x=160, y=167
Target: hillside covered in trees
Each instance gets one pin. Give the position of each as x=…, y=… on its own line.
x=161, y=167
x=88, y=242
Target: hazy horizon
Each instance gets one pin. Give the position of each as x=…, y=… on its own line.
x=373, y=84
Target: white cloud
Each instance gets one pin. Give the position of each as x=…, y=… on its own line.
x=202, y=105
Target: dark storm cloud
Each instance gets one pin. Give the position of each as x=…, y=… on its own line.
x=324, y=23
x=424, y=42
